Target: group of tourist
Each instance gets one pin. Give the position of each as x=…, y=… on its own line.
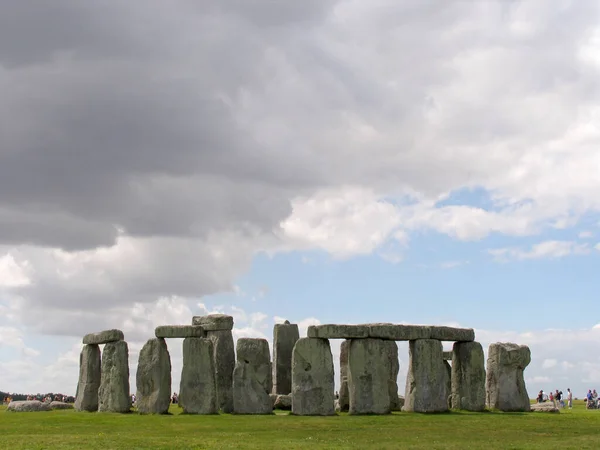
x=42, y=398
x=591, y=399
x=557, y=397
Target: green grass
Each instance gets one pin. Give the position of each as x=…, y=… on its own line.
x=576, y=428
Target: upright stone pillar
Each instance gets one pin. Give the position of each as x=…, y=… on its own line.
x=285, y=336
x=218, y=329
x=198, y=387
x=369, y=369
x=344, y=400
x=427, y=379
x=153, y=378
x=390, y=349
x=252, y=377
x=468, y=376
x=312, y=378
x=86, y=398
x=113, y=394
x=505, y=384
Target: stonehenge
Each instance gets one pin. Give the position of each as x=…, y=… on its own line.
x=218, y=329
x=153, y=378
x=218, y=377
x=252, y=377
x=505, y=385
x=285, y=336
x=198, y=386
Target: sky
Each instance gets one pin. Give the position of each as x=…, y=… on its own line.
x=324, y=161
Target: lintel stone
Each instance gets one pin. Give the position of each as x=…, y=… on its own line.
x=103, y=337
x=179, y=331
x=391, y=332
x=214, y=322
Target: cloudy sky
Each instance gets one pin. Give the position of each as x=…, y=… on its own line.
x=426, y=161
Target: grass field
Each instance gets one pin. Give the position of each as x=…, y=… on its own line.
x=576, y=429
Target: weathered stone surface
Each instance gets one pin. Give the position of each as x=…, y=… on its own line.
x=283, y=402
x=548, y=407
x=86, y=397
x=391, y=332
x=273, y=398
x=198, y=387
x=113, y=394
x=224, y=363
x=312, y=378
x=60, y=405
x=331, y=331
x=214, y=322
x=391, y=353
x=344, y=395
x=284, y=338
x=153, y=378
x=505, y=384
x=103, y=337
x=468, y=376
x=447, y=356
x=395, y=332
x=427, y=378
x=452, y=334
x=28, y=406
x=179, y=331
x=369, y=369
x=252, y=380
x=448, y=368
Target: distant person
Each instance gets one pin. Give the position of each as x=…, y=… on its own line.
x=540, y=397
x=569, y=398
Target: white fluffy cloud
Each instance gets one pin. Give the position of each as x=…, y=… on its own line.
x=135, y=172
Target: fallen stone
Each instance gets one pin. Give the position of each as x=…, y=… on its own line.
x=468, y=377
x=330, y=331
x=427, y=379
x=60, y=405
x=198, y=387
x=214, y=322
x=179, y=331
x=284, y=338
x=391, y=332
x=103, y=337
x=113, y=394
x=505, y=384
x=86, y=397
x=28, y=406
x=369, y=369
x=224, y=363
x=547, y=407
x=252, y=380
x=312, y=378
x=283, y=402
x=344, y=395
x=153, y=378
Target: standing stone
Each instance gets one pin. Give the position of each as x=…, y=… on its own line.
x=153, y=378
x=312, y=378
x=285, y=336
x=448, y=368
x=468, y=376
x=368, y=375
x=344, y=400
x=505, y=384
x=113, y=395
x=252, y=377
x=218, y=329
x=198, y=387
x=86, y=398
x=390, y=349
x=427, y=379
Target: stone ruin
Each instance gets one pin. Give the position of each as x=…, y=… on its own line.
x=217, y=378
